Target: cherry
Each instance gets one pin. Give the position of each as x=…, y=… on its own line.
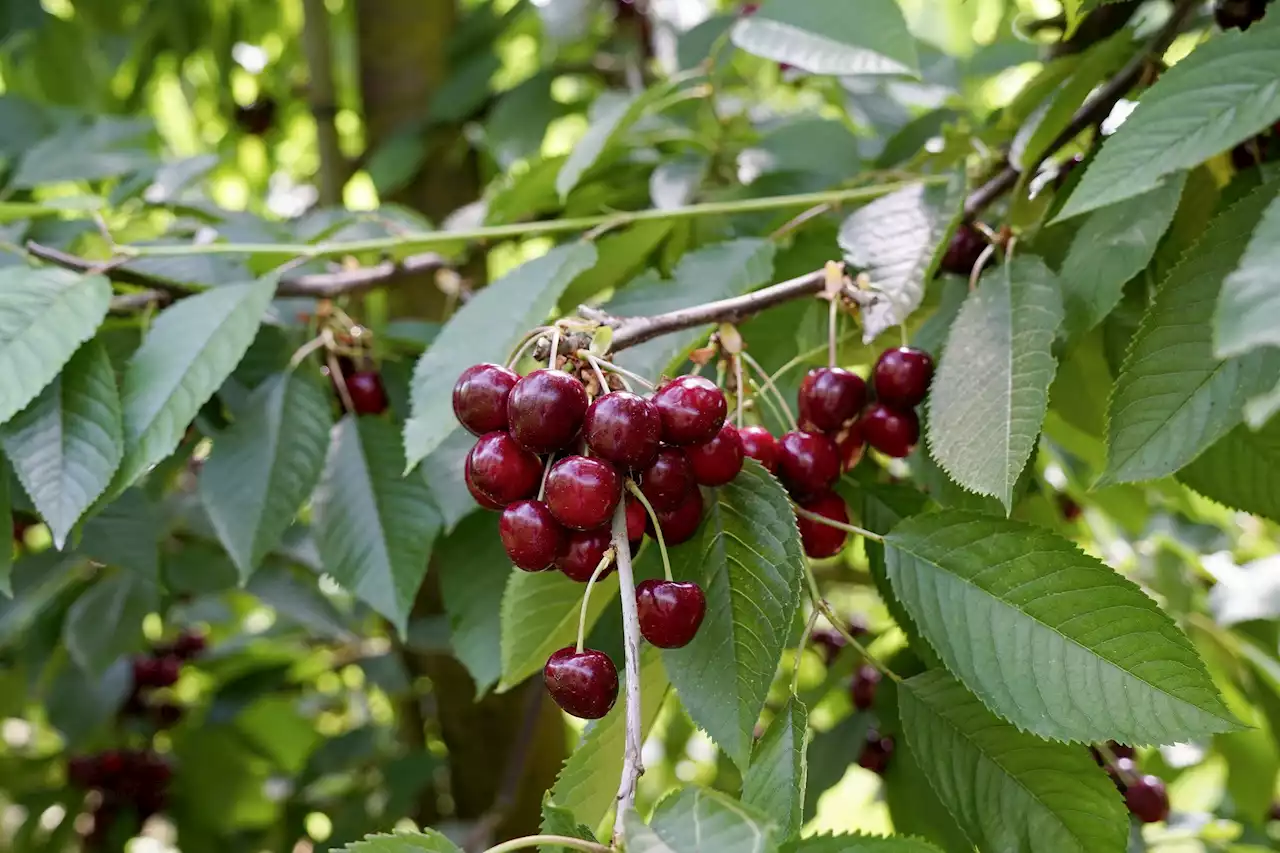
x=894, y=432
x=876, y=752
x=637, y=519
x=807, y=463
x=822, y=540
x=585, y=549
x=1124, y=768
x=850, y=443
x=82, y=771
x=110, y=764
x=166, y=715
x=545, y=410
x=480, y=497
x=668, y=480
x=1238, y=14
x=623, y=428
x=831, y=641
x=480, y=397
x=1147, y=799
x=719, y=460
x=963, y=250
x=692, y=409
x=533, y=539
x=902, y=375
x=1070, y=509
x=368, y=396
x=189, y=644
x=863, y=689
x=670, y=612
x=582, y=493
x=258, y=117
x=760, y=445
x=680, y=524
x=829, y=396
x=1255, y=151
x=583, y=683
x=502, y=469
x=1120, y=750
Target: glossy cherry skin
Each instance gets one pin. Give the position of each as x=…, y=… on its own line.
x=623, y=428
x=583, y=554
x=851, y=445
x=829, y=396
x=894, y=432
x=670, y=612
x=717, y=461
x=692, y=409
x=582, y=493
x=876, y=752
x=680, y=524
x=863, y=689
x=368, y=396
x=189, y=644
x=502, y=469
x=1147, y=799
x=531, y=536
x=545, y=410
x=480, y=397
x=963, y=250
x=668, y=480
x=637, y=519
x=807, y=462
x=901, y=376
x=584, y=684
x=760, y=445
x=822, y=540
x=486, y=501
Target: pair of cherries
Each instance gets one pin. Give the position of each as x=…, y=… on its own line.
x=160, y=669
x=127, y=780
x=1144, y=794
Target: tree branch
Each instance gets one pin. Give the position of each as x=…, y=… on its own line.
x=632, y=768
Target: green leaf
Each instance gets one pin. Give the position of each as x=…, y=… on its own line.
x=1220, y=95
x=697, y=820
x=988, y=400
x=295, y=597
x=560, y=821
x=265, y=465
x=822, y=38
x=426, y=841
x=1111, y=247
x=1008, y=790
x=125, y=533
x=105, y=622
x=67, y=443
x=858, y=844
x=1047, y=636
x=485, y=329
x=748, y=560
x=774, y=784
x=6, y=516
x=897, y=241
x=1261, y=408
x=611, y=114
x=45, y=314
x=1173, y=398
x=674, y=183
x=1240, y=470
x=1248, y=311
x=829, y=756
x=189, y=352
x=374, y=527
x=474, y=568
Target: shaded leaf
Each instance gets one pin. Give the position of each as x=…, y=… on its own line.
x=1248, y=311
x=295, y=596
x=426, y=841
x=696, y=820
x=774, y=784
x=823, y=38
x=6, y=517
x=1262, y=408
x=858, y=844
x=105, y=622
x=125, y=533
x=1240, y=470
x=473, y=569
x=674, y=183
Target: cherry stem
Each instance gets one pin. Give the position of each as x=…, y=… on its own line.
x=820, y=604
x=976, y=273
x=902, y=334
x=657, y=527
x=595, y=366
x=833, y=320
x=546, y=472
x=839, y=525
x=555, y=345
x=632, y=763
x=805, y=356
x=621, y=371
x=309, y=347
x=1114, y=763
x=768, y=400
x=550, y=840
x=529, y=340
x=742, y=388
x=769, y=386
x=804, y=641
x=340, y=382
x=605, y=559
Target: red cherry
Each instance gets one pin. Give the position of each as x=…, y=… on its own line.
x=486, y=501
x=963, y=250
x=876, y=752
x=189, y=644
x=894, y=432
x=583, y=554
x=144, y=671
x=82, y=771
x=668, y=480
x=583, y=683
x=1147, y=799
x=863, y=689
x=822, y=540
x=532, y=538
x=719, y=460
x=166, y=715
x=110, y=764
x=902, y=376
x=830, y=642
x=760, y=445
x=167, y=671
x=670, y=612
x=623, y=428
x=480, y=397
x=582, y=493
x=807, y=463
x=680, y=524
x=368, y=396
x=829, y=396
x=545, y=410
x=851, y=444
x=502, y=469
x=637, y=519
x=692, y=409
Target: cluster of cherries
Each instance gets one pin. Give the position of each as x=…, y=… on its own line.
x=556, y=513
x=1144, y=794
x=158, y=669
x=134, y=780
x=1239, y=14
x=877, y=749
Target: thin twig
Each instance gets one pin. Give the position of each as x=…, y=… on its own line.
x=632, y=767
x=769, y=386
x=804, y=640
x=838, y=525
x=821, y=604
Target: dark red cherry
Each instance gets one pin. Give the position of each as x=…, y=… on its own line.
x=480, y=397
x=502, y=469
x=670, y=612
x=258, y=117
x=111, y=763
x=368, y=396
x=582, y=493
x=1147, y=799
x=545, y=410
x=668, y=480
x=963, y=250
x=902, y=376
x=760, y=445
x=807, y=462
x=830, y=642
x=717, y=461
x=583, y=683
x=829, y=396
x=531, y=536
x=167, y=671
x=480, y=497
x=822, y=540
x=637, y=519
x=166, y=715
x=82, y=771
x=692, y=409
x=583, y=554
x=850, y=444
x=894, y=432
x=623, y=428
x=680, y=524
x=189, y=644
x=876, y=752
x=863, y=689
